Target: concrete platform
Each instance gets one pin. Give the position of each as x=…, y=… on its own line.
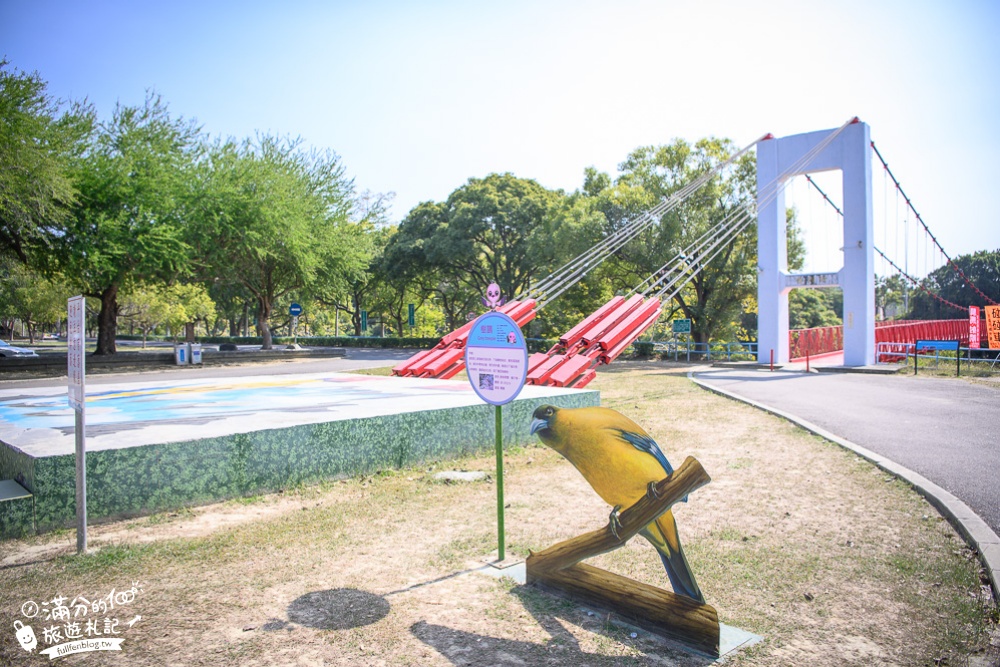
x=159, y=444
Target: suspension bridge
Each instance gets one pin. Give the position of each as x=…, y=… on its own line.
x=611, y=329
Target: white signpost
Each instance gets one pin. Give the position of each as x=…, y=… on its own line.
x=76, y=369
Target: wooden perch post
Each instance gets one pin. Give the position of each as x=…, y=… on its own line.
x=655, y=609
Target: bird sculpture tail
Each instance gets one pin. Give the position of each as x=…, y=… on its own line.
x=662, y=534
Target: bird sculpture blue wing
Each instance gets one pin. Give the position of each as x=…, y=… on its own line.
x=646, y=444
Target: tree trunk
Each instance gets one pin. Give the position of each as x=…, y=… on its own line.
x=263, y=315
x=189, y=332
x=107, y=321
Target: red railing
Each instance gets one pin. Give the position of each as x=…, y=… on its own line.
x=816, y=341
x=823, y=340
x=908, y=331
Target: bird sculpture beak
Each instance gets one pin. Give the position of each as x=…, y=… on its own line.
x=538, y=424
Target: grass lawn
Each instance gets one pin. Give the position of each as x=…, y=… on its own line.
x=833, y=562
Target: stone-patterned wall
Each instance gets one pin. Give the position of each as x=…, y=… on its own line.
x=16, y=517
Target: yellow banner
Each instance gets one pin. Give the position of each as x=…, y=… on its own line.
x=993, y=326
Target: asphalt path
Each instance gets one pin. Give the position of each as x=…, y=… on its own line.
x=946, y=430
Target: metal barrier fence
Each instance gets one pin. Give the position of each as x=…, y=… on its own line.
x=706, y=351
x=902, y=353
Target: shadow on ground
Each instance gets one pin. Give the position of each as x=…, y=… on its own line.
x=562, y=648
x=335, y=609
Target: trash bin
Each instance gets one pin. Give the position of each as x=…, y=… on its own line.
x=195, y=353
x=181, y=355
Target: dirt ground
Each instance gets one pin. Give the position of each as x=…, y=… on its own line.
x=822, y=554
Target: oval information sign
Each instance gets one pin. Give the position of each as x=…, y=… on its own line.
x=496, y=358
x=295, y=310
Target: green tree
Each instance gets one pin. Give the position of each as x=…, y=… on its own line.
x=715, y=294
x=392, y=290
x=410, y=258
x=810, y=307
x=889, y=292
x=359, y=291
x=502, y=229
x=493, y=229
x=276, y=220
x=579, y=226
x=128, y=224
x=187, y=303
x=981, y=268
x=794, y=243
x=498, y=230
x=145, y=308
x=39, y=140
x=232, y=304
x=28, y=296
x=150, y=306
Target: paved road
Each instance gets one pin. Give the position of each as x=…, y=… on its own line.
x=356, y=358
x=946, y=430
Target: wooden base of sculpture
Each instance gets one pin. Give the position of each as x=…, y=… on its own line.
x=558, y=568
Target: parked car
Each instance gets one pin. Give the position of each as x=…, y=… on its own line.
x=8, y=350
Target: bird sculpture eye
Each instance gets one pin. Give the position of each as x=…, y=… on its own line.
x=548, y=412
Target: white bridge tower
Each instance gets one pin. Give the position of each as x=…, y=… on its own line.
x=777, y=161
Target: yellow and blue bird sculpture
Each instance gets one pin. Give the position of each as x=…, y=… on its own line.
x=619, y=460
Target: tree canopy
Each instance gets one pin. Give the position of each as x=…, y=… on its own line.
x=274, y=219
x=500, y=229
x=714, y=297
x=39, y=139
x=981, y=268
x=128, y=223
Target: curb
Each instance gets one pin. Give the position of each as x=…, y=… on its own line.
x=973, y=529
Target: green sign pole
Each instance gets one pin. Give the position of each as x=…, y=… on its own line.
x=496, y=361
x=498, y=428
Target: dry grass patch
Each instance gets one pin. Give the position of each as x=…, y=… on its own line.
x=794, y=539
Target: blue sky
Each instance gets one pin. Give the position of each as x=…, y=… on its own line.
x=418, y=97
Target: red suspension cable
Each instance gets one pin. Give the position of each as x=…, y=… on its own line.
x=899, y=188
x=920, y=285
